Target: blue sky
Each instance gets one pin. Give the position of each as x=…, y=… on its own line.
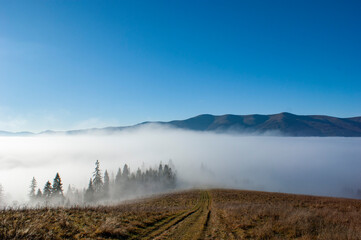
x=78, y=64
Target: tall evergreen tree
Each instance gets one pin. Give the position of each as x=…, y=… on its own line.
x=48, y=189
x=138, y=176
x=39, y=194
x=97, y=178
x=169, y=176
x=57, y=186
x=160, y=169
x=106, y=184
x=33, y=187
x=118, y=177
x=69, y=193
x=126, y=171
x=89, y=193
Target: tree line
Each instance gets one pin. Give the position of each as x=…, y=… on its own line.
x=102, y=187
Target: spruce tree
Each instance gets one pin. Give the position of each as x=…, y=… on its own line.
x=47, y=190
x=160, y=170
x=57, y=186
x=169, y=176
x=126, y=171
x=118, y=183
x=125, y=185
x=33, y=187
x=89, y=193
x=39, y=195
x=69, y=192
x=118, y=177
x=97, y=178
x=138, y=176
x=106, y=184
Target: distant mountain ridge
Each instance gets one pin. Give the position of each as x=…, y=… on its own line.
x=286, y=124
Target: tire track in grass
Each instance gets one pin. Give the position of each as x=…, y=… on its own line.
x=195, y=226
x=163, y=226
x=208, y=218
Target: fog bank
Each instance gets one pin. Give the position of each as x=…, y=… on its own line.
x=308, y=165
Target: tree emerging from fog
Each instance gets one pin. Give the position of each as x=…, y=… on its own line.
x=33, y=186
x=47, y=190
x=97, y=179
x=57, y=187
x=129, y=184
x=51, y=194
x=102, y=188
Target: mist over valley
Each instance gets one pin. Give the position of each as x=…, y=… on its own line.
x=326, y=166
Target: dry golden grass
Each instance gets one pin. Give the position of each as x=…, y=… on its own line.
x=123, y=221
x=196, y=214
x=261, y=215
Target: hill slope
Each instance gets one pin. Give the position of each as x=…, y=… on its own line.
x=196, y=214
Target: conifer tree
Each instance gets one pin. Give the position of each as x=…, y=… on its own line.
x=169, y=176
x=138, y=176
x=160, y=169
x=47, y=190
x=57, y=187
x=69, y=193
x=33, y=187
x=118, y=177
x=106, y=184
x=97, y=178
x=126, y=171
x=89, y=193
x=39, y=194
x=118, y=183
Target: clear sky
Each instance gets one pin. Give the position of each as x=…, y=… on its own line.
x=78, y=64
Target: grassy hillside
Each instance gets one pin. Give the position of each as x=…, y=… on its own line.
x=196, y=214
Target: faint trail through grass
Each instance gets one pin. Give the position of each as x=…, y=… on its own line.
x=195, y=225
x=195, y=214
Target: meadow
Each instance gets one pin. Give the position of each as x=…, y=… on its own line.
x=193, y=214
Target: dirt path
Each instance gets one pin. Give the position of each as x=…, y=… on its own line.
x=191, y=224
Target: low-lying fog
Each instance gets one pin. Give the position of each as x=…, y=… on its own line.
x=309, y=165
